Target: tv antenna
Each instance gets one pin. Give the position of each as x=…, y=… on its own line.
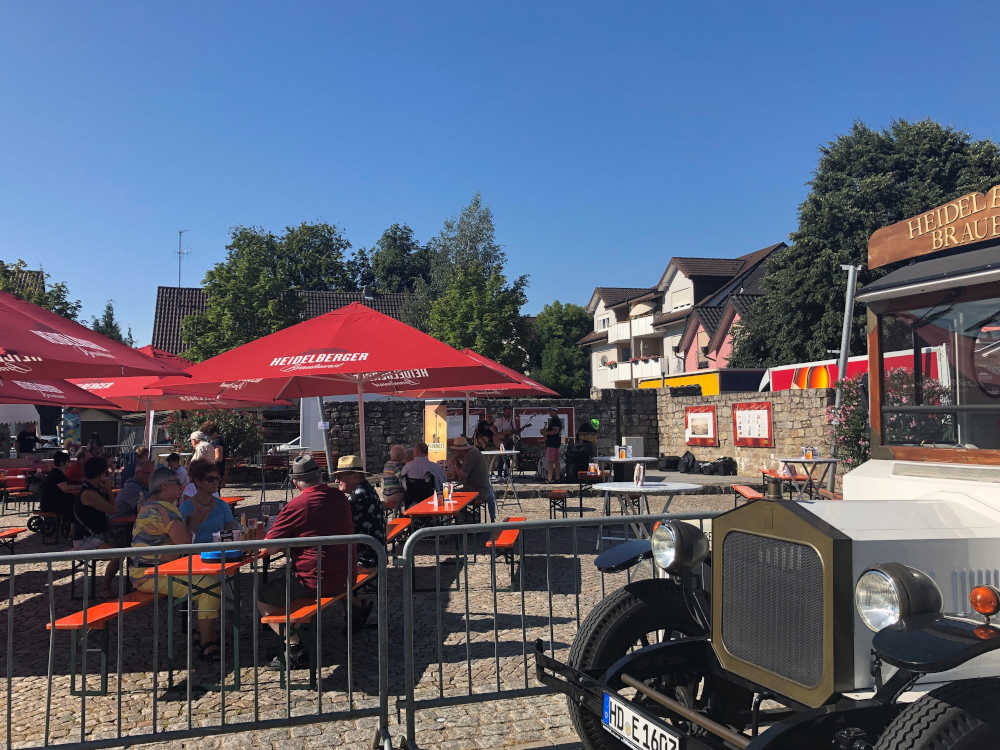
x=180, y=254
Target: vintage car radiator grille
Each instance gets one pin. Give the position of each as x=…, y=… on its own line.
x=772, y=605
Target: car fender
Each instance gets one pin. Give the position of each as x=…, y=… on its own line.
x=935, y=643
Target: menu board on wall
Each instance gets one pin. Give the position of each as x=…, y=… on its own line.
x=700, y=426
x=752, y=424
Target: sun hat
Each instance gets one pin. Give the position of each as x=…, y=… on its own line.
x=161, y=476
x=349, y=462
x=304, y=466
x=461, y=444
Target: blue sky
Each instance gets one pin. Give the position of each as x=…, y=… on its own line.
x=605, y=137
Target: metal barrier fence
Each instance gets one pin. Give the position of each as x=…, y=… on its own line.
x=126, y=713
x=572, y=535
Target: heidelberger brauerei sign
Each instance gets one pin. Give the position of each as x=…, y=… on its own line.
x=964, y=221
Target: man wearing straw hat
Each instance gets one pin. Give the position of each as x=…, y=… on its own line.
x=366, y=506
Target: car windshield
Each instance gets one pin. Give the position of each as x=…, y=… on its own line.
x=941, y=370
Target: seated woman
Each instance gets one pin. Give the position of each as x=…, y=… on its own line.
x=159, y=523
x=392, y=485
x=91, y=509
x=204, y=513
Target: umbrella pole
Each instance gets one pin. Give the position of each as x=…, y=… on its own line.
x=361, y=422
x=147, y=437
x=465, y=418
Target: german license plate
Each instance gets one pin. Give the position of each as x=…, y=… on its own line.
x=634, y=729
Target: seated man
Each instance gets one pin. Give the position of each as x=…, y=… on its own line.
x=392, y=484
x=174, y=464
x=366, y=508
x=135, y=490
x=318, y=510
x=469, y=467
x=420, y=467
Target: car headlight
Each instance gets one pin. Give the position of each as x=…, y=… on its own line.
x=891, y=592
x=678, y=545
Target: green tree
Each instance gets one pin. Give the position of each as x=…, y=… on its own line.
x=556, y=360
x=108, y=326
x=865, y=180
x=242, y=430
x=54, y=297
x=467, y=300
x=398, y=261
x=258, y=289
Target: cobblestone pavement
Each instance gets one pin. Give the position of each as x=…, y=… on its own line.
x=456, y=657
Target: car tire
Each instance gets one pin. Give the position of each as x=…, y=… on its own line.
x=619, y=622
x=957, y=716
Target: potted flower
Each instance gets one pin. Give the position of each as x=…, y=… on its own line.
x=634, y=360
x=612, y=363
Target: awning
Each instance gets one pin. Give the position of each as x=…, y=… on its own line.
x=960, y=269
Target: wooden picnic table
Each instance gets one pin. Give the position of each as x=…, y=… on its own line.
x=194, y=566
x=426, y=509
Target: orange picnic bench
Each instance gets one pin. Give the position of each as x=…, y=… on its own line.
x=8, y=537
x=505, y=541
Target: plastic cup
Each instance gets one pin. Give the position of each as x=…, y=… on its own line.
x=216, y=536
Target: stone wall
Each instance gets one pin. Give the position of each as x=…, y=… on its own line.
x=397, y=421
x=799, y=418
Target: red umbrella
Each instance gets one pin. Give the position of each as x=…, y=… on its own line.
x=335, y=354
x=517, y=385
x=40, y=343
x=135, y=394
x=22, y=390
x=350, y=350
x=522, y=385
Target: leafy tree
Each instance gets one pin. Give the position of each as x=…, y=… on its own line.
x=398, y=261
x=467, y=300
x=556, y=360
x=865, y=180
x=241, y=429
x=257, y=289
x=54, y=297
x=108, y=326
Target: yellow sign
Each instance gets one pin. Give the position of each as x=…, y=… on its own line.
x=708, y=381
x=964, y=221
x=436, y=430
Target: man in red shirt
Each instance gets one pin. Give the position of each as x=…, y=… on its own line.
x=319, y=510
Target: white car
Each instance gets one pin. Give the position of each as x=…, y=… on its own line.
x=290, y=446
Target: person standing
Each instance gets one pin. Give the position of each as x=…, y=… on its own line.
x=505, y=432
x=366, y=507
x=318, y=510
x=487, y=430
x=218, y=443
x=553, y=439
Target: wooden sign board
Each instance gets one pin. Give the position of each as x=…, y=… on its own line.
x=964, y=221
x=436, y=430
x=752, y=424
x=700, y=427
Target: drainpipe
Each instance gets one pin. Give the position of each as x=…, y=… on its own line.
x=845, y=350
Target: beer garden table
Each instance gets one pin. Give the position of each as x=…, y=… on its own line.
x=441, y=513
x=809, y=466
x=632, y=496
x=619, y=465
x=194, y=566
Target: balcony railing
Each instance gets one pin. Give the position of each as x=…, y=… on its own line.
x=643, y=326
x=644, y=370
x=619, y=332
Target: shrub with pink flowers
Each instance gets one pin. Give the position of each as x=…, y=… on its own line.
x=850, y=422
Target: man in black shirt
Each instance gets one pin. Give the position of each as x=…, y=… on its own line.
x=553, y=439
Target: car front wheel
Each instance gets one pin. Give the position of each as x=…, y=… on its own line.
x=957, y=716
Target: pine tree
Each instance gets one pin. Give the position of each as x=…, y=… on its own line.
x=865, y=180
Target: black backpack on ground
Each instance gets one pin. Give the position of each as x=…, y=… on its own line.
x=668, y=463
x=688, y=463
